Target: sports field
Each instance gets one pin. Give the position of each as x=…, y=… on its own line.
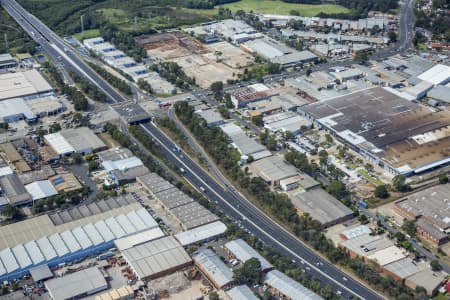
x=282, y=8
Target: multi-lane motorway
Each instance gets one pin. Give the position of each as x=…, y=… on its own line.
x=231, y=201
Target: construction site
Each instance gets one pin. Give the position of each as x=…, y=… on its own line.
x=208, y=63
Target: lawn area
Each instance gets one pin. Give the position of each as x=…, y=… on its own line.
x=279, y=7
x=371, y=179
x=88, y=34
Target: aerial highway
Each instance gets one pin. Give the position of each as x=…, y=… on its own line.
x=231, y=201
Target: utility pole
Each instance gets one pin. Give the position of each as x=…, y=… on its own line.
x=82, y=25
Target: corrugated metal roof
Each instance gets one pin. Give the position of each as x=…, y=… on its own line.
x=123, y=164
x=58, y=244
x=289, y=287
x=213, y=266
x=8, y=259
x=115, y=227
x=35, y=253
x=126, y=224
x=46, y=248
x=22, y=256
x=136, y=221
x=104, y=231
x=243, y=252
x=201, y=233
x=241, y=292
x=59, y=143
x=146, y=218
x=138, y=238
x=70, y=241
x=93, y=235
x=82, y=238
x=2, y=268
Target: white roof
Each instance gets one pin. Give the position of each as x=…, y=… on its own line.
x=439, y=74
x=288, y=286
x=243, y=252
x=241, y=292
x=35, y=253
x=46, y=248
x=136, y=221
x=147, y=218
x=58, y=244
x=123, y=164
x=115, y=227
x=387, y=255
x=138, y=238
x=75, y=284
x=213, y=266
x=5, y=171
x=92, y=235
x=59, y=143
x=355, y=232
x=104, y=231
x=22, y=256
x=21, y=84
x=70, y=241
x=126, y=224
x=8, y=259
x=40, y=189
x=201, y=233
x=81, y=237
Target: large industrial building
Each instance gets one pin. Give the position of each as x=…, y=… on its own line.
x=156, y=258
x=80, y=140
x=69, y=235
x=430, y=210
x=27, y=84
x=214, y=268
x=285, y=287
x=401, y=136
x=240, y=250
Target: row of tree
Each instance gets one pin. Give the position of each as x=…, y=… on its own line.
x=279, y=205
x=118, y=83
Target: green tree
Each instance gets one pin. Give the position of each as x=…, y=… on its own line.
x=443, y=179
x=361, y=57
x=11, y=212
x=399, y=183
x=381, y=192
x=392, y=35
x=216, y=88
x=249, y=273
x=337, y=189
x=77, y=158
x=409, y=227
x=214, y=296
x=435, y=265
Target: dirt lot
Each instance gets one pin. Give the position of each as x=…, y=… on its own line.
x=207, y=63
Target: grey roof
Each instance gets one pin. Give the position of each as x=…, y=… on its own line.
x=157, y=256
x=289, y=287
x=366, y=244
x=114, y=154
x=296, y=57
x=210, y=116
x=402, y=268
x=321, y=206
x=154, y=183
x=274, y=168
x=428, y=279
x=431, y=204
x=21, y=84
x=201, y=233
x=243, y=252
x=130, y=112
x=173, y=197
x=41, y=272
x=245, y=144
x=440, y=92
x=241, y=292
x=82, y=138
x=14, y=190
x=130, y=174
x=213, y=266
x=192, y=215
x=431, y=229
x=76, y=284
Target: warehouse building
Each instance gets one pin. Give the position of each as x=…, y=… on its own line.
x=273, y=169
x=193, y=215
x=241, y=251
x=68, y=235
x=13, y=190
x=76, y=285
x=386, y=256
x=321, y=206
x=440, y=93
x=403, y=268
x=201, y=234
x=243, y=143
x=285, y=287
x=214, y=268
x=14, y=110
x=114, y=154
x=130, y=241
x=436, y=75
x=156, y=258
x=40, y=189
x=80, y=140
x=380, y=126
x=364, y=245
x=120, y=177
x=211, y=117
x=27, y=84
x=241, y=292
x=428, y=279
x=429, y=209
x=286, y=122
